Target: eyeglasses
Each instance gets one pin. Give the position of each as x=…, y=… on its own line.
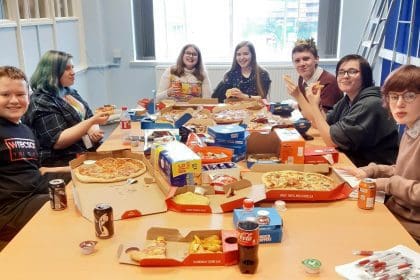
x=408, y=97
x=191, y=54
x=350, y=72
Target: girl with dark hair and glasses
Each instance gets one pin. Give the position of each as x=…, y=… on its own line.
x=245, y=79
x=358, y=124
x=402, y=181
x=187, y=79
x=60, y=118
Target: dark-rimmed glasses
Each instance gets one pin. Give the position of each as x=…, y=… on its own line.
x=408, y=97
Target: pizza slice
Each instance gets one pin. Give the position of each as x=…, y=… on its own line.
x=155, y=250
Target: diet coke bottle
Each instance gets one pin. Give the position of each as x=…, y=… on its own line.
x=248, y=238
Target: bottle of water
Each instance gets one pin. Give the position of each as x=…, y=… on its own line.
x=248, y=238
x=125, y=125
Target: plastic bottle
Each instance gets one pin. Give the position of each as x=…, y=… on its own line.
x=248, y=238
x=125, y=125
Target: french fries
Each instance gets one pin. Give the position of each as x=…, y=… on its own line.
x=211, y=244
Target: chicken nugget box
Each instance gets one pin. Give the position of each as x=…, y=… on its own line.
x=196, y=248
x=269, y=233
x=178, y=163
x=292, y=145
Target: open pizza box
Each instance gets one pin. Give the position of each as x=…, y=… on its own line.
x=262, y=148
x=234, y=195
x=126, y=200
x=341, y=191
x=178, y=251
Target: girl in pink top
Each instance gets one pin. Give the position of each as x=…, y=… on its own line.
x=402, y=181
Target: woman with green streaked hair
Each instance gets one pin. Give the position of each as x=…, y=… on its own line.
x=59, y=117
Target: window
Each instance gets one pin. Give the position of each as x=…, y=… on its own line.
x=216, y=26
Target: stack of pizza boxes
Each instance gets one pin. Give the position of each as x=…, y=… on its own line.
x=168, y=247
x=231, y=137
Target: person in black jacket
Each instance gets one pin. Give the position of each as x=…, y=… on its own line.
x=23, y=182
x=358, y=124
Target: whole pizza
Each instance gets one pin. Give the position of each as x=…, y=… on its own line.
x=109, y=169
x=296, y=180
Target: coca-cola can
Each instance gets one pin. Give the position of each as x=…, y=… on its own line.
x=57, y=192
x=104, y=221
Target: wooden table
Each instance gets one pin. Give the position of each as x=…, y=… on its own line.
x=47, y=247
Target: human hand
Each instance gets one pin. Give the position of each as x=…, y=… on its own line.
x=291, y=86
x=313, y=94
x=96, y=135
x=235, y=93
x=356, y=172
x=100, y=118
x=174, y=91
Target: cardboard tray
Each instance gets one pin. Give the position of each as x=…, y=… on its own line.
x=127, y=201
x=177, y=249
x=341, y=191
x=219, y=203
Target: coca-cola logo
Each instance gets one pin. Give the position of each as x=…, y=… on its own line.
x=246, y=237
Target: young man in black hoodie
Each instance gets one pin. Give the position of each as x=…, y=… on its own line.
x=358, y=124
x=23, y=187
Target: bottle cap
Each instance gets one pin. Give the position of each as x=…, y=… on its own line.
x=280, y=205
x=248, y=203
x=312, y=266
x=124, y=108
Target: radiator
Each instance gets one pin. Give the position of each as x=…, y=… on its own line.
x=277, y=92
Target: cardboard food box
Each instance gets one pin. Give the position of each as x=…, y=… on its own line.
x=213, y=169
x=319, y=154
x=227, y=132
x=262, y=148
x=127, y=201
x=341, y=191
x=233, y=197
x=292, y=145
x=177, y=249
x=178, y=163
x=270, y=233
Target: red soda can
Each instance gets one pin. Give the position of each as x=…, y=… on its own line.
x=104, y=221
x=367, y=193
x=57, y=192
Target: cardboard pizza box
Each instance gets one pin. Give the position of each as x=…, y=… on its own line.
x=177, y=249
x=341, y=191
x=232, y=198
x=127, y=201
x=260, y=144
x=292, y=145
x=320, y=154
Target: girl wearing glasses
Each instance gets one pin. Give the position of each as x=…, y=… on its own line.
x=245, y=79
x=402, y=181
x=305, y=59
x=186, y=79
x=358, y=124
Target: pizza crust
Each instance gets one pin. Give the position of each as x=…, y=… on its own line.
x=296, y=180
x=108, y=170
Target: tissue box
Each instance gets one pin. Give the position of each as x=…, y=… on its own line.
x=271, y=233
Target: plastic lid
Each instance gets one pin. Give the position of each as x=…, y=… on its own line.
x=124, y=108
x=248, y=203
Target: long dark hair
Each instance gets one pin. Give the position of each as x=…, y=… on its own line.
x=365, y=69
x=178, y=69
x=254, y=65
